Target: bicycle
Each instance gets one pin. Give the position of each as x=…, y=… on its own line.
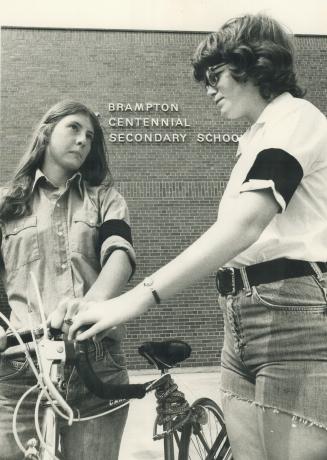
x=189, y=432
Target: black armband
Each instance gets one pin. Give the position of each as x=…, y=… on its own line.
x=116, y=227
x=281, y=168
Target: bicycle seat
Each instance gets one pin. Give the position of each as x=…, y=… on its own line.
x=165, y=355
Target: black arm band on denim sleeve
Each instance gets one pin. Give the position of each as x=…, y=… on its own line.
x=116, y=227
x=281, y=168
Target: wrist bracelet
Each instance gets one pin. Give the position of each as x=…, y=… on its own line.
x=148, y=282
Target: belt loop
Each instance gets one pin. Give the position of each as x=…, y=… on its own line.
x=99, y=353
x=315, y=267
x=244, y=276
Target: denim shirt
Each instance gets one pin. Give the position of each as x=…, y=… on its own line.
x=64, y=242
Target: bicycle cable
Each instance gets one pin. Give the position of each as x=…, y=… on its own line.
x=14, y=420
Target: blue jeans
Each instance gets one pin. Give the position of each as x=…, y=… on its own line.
x=95, y=439
x=274, y=369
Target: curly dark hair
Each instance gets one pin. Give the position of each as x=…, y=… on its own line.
x=95, y=169
x=256, y=48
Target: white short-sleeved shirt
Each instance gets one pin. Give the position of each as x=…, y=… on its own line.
x=285, y=151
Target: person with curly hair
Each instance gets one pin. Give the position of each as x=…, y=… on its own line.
x=62, y=219
x=268, y=245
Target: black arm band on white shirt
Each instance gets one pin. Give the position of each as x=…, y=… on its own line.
x=280, y=167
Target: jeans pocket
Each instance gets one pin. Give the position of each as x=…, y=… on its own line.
x=292, y=294
x=10, y=368
x=115, y=360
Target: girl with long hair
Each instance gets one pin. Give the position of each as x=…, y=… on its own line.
x=62, y=219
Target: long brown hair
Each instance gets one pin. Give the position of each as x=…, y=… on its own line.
x=95, y=169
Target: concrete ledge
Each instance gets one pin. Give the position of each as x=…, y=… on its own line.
x=178, y=370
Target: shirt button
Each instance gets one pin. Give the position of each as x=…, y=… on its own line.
x=58, y=205
x=59, y=233
x=63, y=266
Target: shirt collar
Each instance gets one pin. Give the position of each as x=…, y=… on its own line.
x=269, y=113
x=270, y=110
x=37, y=178
x=76, y=178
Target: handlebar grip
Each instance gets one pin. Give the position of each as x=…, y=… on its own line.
x=12, y=341
x=27, y=337
x=96, y=386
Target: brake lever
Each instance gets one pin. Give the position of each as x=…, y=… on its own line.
x=49, y=352
x=54, y=352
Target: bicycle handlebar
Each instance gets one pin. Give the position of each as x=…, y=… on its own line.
x=97, y=386
x=27, y=337
x=78, y=353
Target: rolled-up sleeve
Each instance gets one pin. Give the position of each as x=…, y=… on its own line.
x=277, y=170
x=289, y=152
x=115, y=230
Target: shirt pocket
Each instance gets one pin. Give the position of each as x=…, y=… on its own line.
x=85, y=233
x=20, y=245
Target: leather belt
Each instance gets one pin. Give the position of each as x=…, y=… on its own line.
x=229, y=280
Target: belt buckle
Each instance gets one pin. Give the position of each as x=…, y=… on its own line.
x=232, y=272
x=222, y=279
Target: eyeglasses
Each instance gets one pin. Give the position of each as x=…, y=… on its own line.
x=213, y=74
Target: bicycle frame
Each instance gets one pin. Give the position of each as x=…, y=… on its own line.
x=169, y=453
x=50, y=434
x=168, y=429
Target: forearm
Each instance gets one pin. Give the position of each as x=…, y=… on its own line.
x=212, y=250
x=112, y=278
x=224, y=240
x=110, y=283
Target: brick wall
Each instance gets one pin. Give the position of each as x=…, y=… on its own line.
x=172, y=188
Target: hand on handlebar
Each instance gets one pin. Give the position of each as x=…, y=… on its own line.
x=90, y=313
x=61, y=318
x=106, y=314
